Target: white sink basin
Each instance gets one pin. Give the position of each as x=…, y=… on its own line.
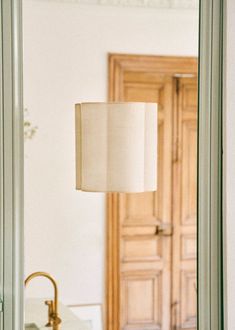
x=31, y=326
x=36, y=316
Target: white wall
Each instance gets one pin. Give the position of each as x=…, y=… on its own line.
x=65, y=61
x=230, y=163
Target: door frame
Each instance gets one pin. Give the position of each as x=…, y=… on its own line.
x=210, y=226
x=118, y=65
x=211, y=242
x=11, y=166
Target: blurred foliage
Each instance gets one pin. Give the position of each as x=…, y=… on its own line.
x=29, y=129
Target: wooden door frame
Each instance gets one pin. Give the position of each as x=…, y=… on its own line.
x=118, y=64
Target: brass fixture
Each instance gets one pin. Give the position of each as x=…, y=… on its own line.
x=164, y=229
x=53, y=316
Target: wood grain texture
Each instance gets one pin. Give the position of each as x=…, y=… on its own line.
x=184, y=191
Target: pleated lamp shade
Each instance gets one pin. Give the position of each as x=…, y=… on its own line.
x=116, y=147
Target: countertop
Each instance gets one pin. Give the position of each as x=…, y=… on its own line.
x=37, y=312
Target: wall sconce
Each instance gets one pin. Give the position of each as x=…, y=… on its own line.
x=116, y=147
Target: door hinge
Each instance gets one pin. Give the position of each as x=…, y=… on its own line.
x=1, y=306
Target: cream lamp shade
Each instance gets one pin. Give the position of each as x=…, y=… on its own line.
x=116, y=147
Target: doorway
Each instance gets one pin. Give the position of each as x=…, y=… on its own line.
x=151, y=241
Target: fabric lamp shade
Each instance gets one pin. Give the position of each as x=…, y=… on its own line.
x=116, y=147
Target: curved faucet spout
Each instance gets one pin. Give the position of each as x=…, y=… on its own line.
x=54, y=319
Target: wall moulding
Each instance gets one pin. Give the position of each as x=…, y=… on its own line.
x=168, y=4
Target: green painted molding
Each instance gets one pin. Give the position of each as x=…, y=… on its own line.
x=1, y=173
x=210, y=221
x=12, y=164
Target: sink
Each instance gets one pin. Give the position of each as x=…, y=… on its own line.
x=31, y=326
x=36, y=316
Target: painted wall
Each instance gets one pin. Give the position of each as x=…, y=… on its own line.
x=65, y=61
x=230, y=163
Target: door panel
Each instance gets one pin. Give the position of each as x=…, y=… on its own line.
x=136, y=314
x=184, y=206
x=141, y=248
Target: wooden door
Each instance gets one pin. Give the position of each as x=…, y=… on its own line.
x=139, y=268
x=144, y=255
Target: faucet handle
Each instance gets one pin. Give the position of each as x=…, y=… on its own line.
x=53, y=318
x=50, y=305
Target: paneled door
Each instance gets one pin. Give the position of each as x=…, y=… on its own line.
x=149, y=281
x=144, y=254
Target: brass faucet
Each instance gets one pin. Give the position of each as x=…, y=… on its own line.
x=53, y=316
